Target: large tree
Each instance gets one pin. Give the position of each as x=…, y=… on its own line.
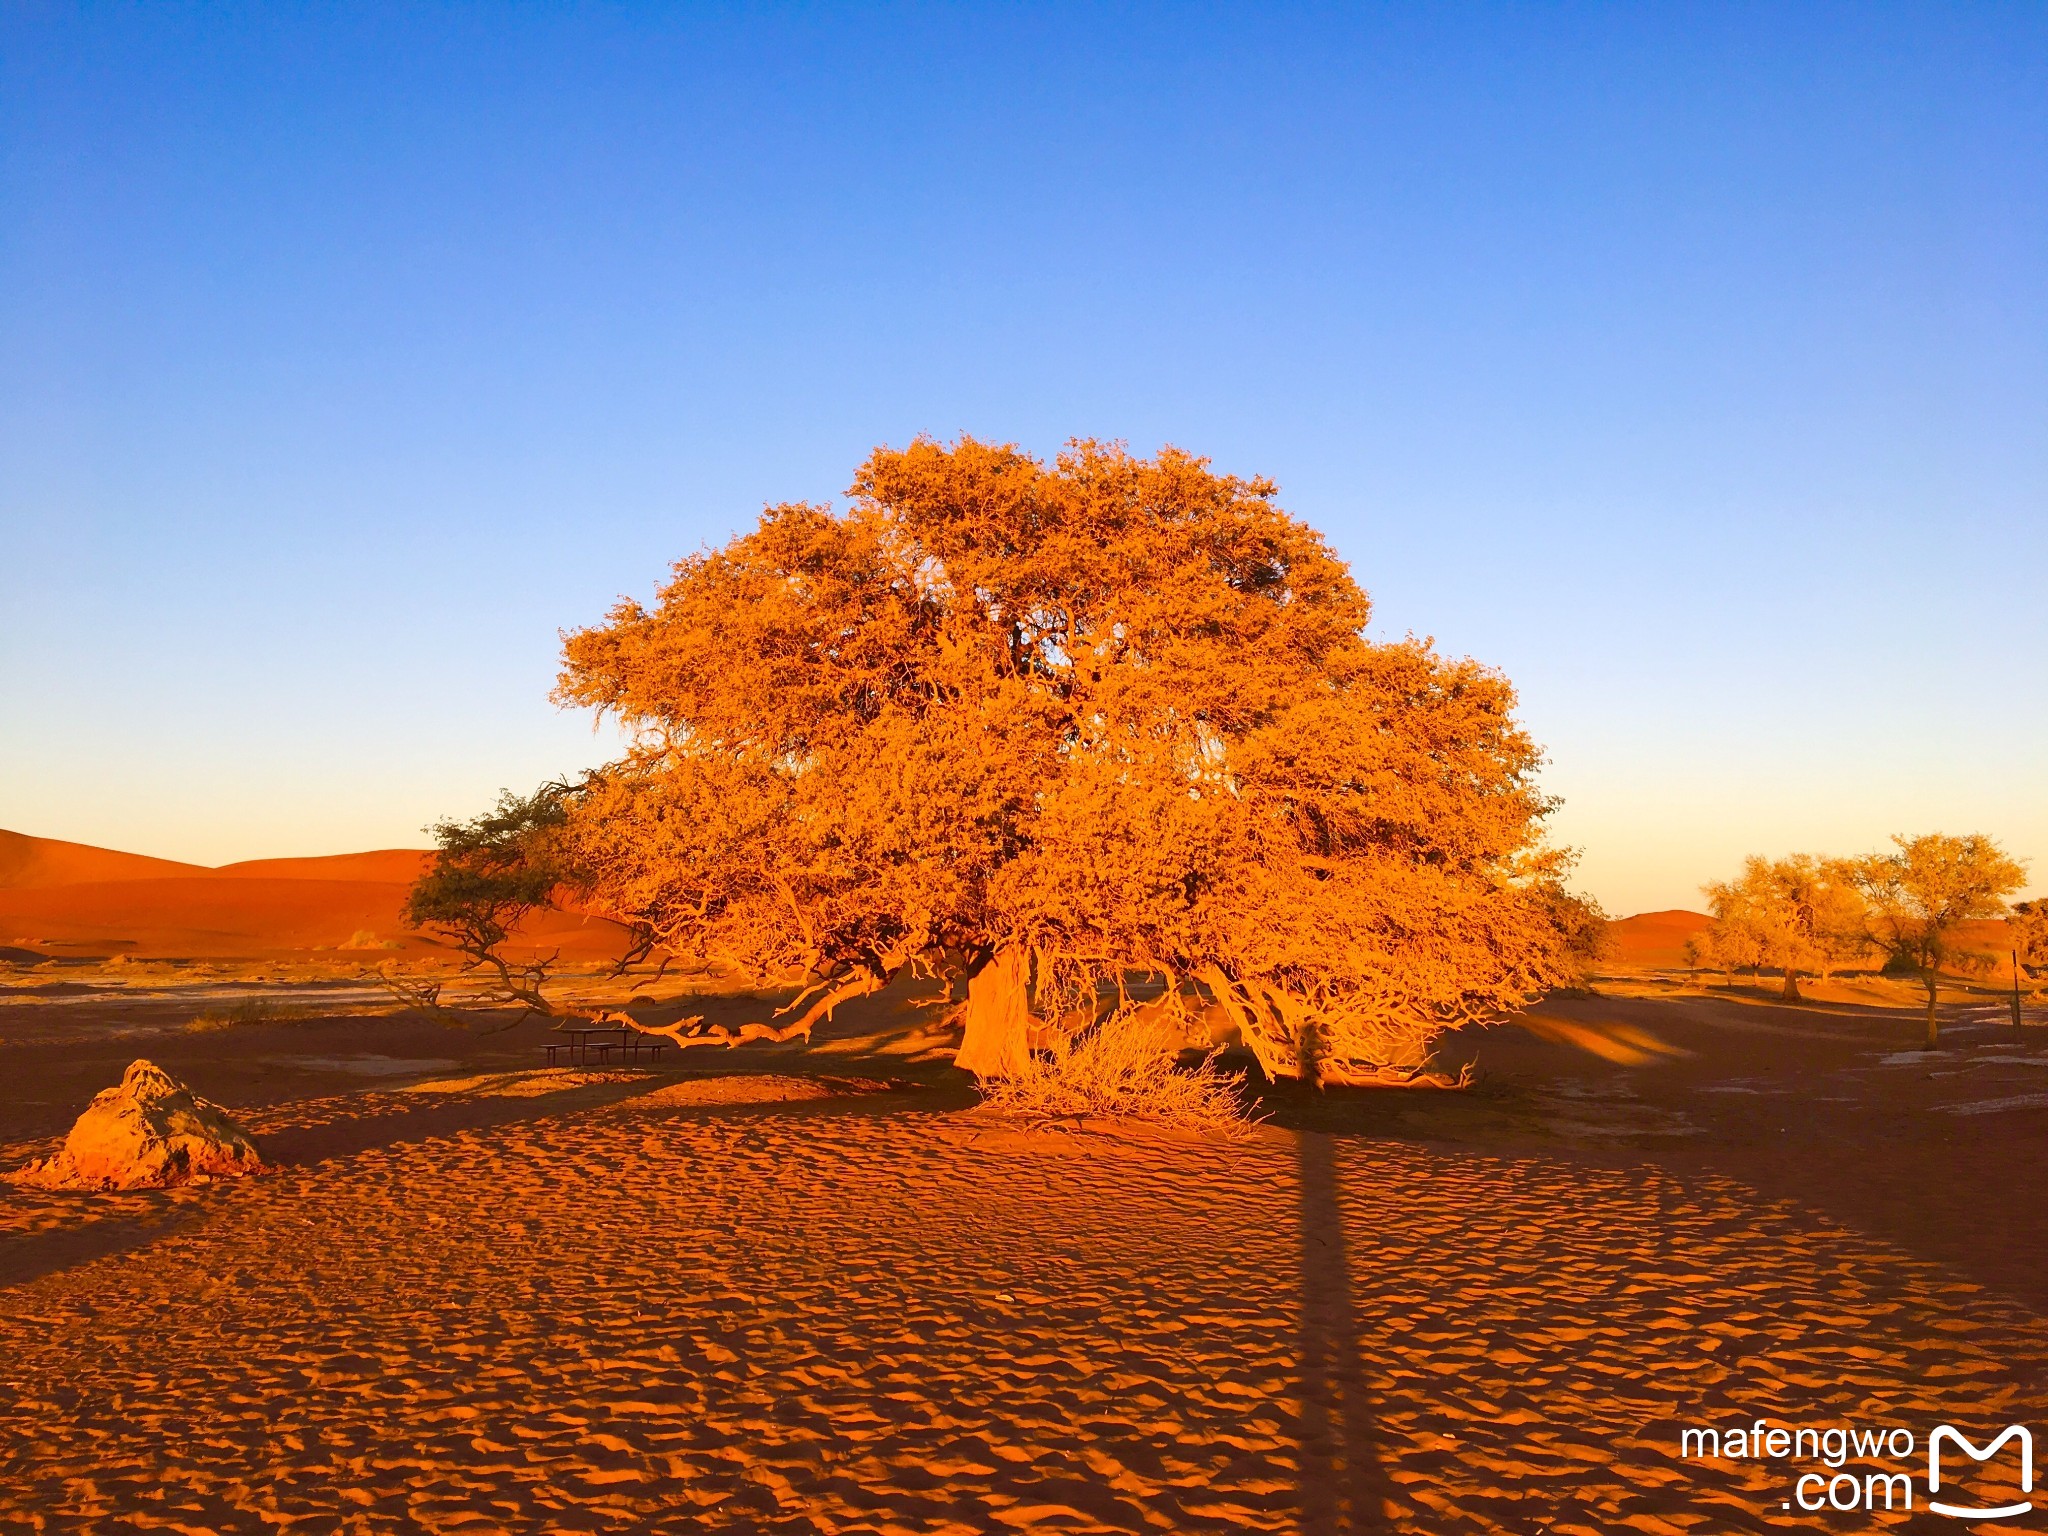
x=1059, y=728
x=1921, y=894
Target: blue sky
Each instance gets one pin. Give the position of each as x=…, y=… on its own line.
x=1690, y=363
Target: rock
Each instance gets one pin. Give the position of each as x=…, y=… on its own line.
x=149, y=1133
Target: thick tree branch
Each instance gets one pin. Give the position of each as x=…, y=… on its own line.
x=690, y=1031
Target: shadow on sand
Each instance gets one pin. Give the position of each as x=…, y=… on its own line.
x=1343, y=1487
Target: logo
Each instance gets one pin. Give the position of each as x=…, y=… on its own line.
x=1863, y=1468
x=2017, y=1432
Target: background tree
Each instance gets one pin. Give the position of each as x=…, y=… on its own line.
x=2028, y=934
x=489, y=874
x=1587, y=933
x=1056, y=728
x=1731, y=942
x=1796, y=914
x=1920, y=895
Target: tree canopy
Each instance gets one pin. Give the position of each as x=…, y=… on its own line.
x=489, y=874
x=2029, y=933
x=1919, y=895
x=1794, y=914
x=1056, y=727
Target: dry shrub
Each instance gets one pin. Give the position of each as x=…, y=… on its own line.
x=1127, y=1068
x=249, y=1011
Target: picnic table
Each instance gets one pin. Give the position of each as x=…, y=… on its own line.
x=584, y=1040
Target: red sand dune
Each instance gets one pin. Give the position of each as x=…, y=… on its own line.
x=1655, y=940
x=71, y=898
x=202, y=916
x=33, y=862
x=220, y=917
x=37, y=862
x=1985, y=936
x=77, y=897
x=399, y=865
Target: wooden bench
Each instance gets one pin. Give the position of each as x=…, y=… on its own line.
x=601, y=1040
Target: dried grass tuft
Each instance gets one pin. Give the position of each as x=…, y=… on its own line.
x=250, y=1011
x=1127, y=1069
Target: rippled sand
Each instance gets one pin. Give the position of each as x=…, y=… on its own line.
x=747, y=1307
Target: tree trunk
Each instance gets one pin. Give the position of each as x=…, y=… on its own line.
x=1933, y=982
x=1791, y=989
x=997, y=1016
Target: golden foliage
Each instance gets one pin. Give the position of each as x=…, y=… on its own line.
x=1800, y=913
x=1075, y=722
x=1918, y=897
x=2028, y=926
x=1808, y=913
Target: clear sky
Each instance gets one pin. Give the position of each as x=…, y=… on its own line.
x=1689, y=363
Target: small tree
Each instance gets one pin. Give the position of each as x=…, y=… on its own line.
x=489, y=874
x=1920, y=895
x=1053, y=728
x=2027, y=931
x=1728, y=944
x=1796, y=914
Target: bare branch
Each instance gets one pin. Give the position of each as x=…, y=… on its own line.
x=689, y=1032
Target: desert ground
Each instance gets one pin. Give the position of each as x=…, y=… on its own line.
x=815, y=1288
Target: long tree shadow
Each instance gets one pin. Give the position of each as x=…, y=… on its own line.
x=1343, y=1486
x=30, y=1257
x=361, y=1123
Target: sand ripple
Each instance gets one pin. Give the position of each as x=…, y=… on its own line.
x=808, y=1316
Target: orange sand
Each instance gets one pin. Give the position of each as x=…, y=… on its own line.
x=27, y=862
x=1655, y=940
x=215, y=917
x=488, y=1297
x=398, y=866
x=33, y=862
x=200, y=915
x=70, y=899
